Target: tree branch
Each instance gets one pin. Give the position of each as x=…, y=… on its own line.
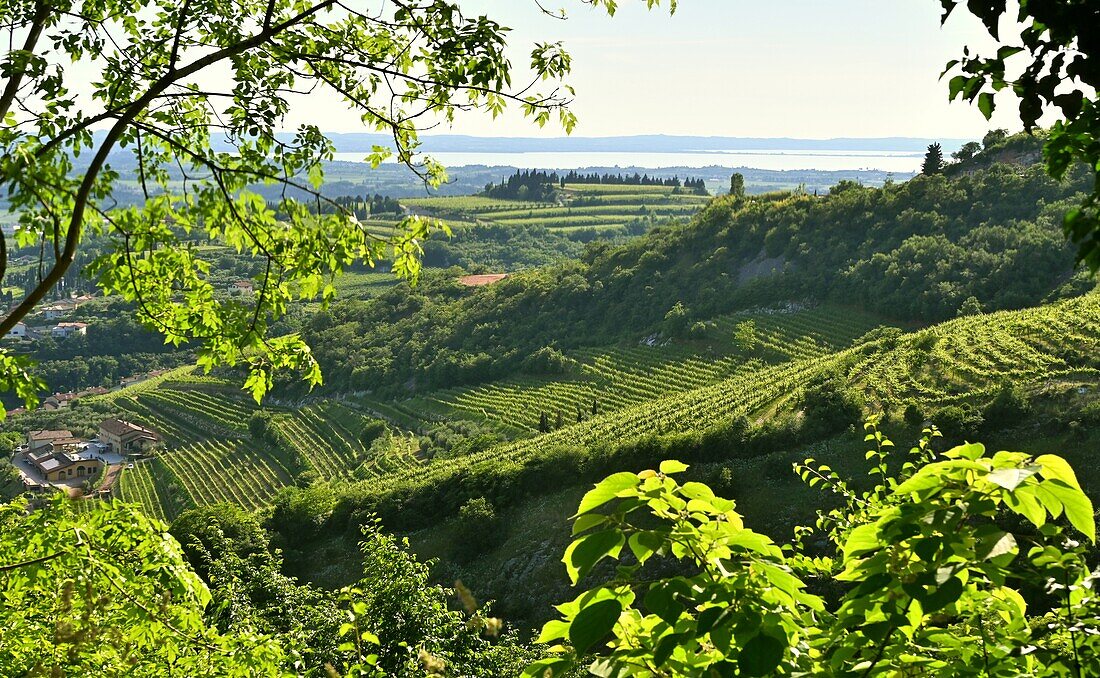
x=127, y=118
x=38, y=23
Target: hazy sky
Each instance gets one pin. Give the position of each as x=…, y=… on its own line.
x=768, y=68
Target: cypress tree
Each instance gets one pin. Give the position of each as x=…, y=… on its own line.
x=933, y=160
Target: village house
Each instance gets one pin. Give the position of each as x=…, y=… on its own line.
x=63, y=307
x=241, y=288
x=64, y=460
x=59, y=309
x=125, y=437
x=58, y=401
x=66, y=330
x=19, y=331
x=38, y=440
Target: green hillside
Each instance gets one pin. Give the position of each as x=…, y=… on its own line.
x=963, y=360
x=742, y=431
x=762, y=328
x=914, y=252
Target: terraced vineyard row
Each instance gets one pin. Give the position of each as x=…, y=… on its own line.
x=211, y=456
x=185, y=373
x=138, y=486
x=227, y=471
x=609, y=380
x=974, y=355
x=328, y=436
x=747, y=394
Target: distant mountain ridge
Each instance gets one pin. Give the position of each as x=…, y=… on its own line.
x=364, y=142
x=647, y=143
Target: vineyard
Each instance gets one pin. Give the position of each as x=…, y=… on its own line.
x=748, y=364
x=210, y=456
x=605, y=209
x=606, y=380
x=957, y=360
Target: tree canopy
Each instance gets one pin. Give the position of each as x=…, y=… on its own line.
x=1063, y=73
x=191, y=95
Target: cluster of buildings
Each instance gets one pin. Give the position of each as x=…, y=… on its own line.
x=59, y=330
x=59, y=457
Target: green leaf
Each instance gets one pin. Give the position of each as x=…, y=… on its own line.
x=583, y=554
x=593, y=623
x=1077, y=505
x=863, y=539
x=1010, y=478
x=1053, y=467
x=1028, y=505
x=671, y=466
x=661, y=601
x=557, y=666
x=923, y=480
x=667, y=646
x=553, y=630
x=645, y=543
x=761, y=655
x=587, y=522
x=997, y=544
x=606, y=490
x=986, y=104
x=942, y=596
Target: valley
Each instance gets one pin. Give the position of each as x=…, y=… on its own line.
x=459, y=339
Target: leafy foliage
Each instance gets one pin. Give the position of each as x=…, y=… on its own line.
x=1061, y=70
x=933, y=579
x=108, y=591
x=200, y=148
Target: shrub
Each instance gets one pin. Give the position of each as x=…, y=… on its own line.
x=1008, y=406
x=958, y=422
x=372, y=429
x=677, y=321
x=548, y=360
x=830, y=405
x=913, y=415
x=477, y=529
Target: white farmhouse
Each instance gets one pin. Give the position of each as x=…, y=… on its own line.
x=66, y=330
x=17, y=332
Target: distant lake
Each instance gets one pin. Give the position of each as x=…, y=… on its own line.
x=886, y=161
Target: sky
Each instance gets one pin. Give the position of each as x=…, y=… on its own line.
x=747, y=68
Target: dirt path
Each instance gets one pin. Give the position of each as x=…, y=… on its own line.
x=110, y=478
